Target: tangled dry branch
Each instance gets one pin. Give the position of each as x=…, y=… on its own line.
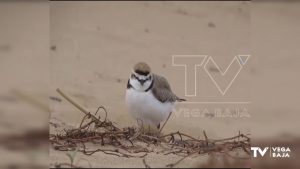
x=131, y=142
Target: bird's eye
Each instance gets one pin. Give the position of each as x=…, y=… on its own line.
x=133, y=76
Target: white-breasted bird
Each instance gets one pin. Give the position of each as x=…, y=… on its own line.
x=149, y=97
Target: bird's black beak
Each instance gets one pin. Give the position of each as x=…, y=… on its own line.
x=142, y=81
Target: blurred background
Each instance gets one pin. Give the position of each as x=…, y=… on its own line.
x=88, y=48
x=24, y=84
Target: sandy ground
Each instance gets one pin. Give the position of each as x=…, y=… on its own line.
x=95, y=44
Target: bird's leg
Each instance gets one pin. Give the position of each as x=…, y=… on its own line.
x=165, y=122
x=138, y=132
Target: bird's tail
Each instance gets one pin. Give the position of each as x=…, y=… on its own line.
x=180, y=100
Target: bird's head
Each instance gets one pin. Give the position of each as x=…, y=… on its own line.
x=141, y=77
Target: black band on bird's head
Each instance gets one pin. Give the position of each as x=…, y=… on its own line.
x=140, y=72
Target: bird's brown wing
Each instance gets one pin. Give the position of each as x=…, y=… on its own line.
x=162, y=90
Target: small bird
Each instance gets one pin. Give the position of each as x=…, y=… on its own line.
x=149, y=97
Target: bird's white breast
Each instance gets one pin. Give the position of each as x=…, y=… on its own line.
x=145, y=107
